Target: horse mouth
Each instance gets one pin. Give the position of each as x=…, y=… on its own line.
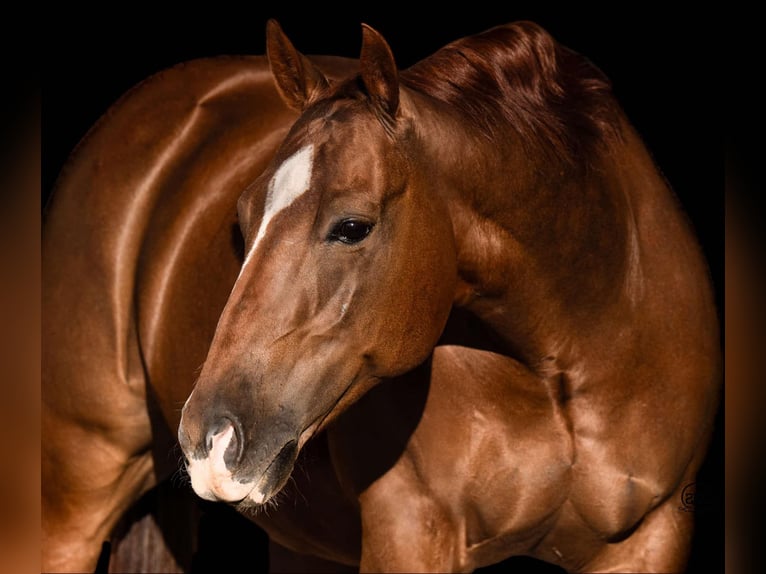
x=280, y=469
x=274, y=477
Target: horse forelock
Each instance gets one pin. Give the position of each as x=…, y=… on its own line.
x=347, y=98
x=517, y=76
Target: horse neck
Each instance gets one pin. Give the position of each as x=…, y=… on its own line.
x=541, y=247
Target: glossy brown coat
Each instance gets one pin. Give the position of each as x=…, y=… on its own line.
x=560, y=413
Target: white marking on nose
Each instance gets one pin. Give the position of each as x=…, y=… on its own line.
x=290, y=181
x=218, y=449
x=256, y=496
x=211, y=479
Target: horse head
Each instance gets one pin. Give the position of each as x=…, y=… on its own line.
x=349, y=276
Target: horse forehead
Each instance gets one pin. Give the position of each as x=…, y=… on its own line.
x=356, y=153
x=350, y=146
x=347, y=130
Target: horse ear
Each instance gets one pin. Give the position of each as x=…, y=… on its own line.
x=297, y=79
x=379, y=74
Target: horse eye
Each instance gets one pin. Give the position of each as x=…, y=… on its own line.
x=350, y=231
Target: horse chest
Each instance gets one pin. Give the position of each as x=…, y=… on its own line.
x=504, y=473
x=491, y=449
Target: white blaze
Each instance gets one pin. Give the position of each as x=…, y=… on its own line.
x=290, y=181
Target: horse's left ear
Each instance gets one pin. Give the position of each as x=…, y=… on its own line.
x=379, y=73
x=297, y=78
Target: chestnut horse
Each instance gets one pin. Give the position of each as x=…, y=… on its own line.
x=469, y=304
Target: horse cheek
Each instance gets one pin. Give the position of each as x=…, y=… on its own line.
x=428, y=281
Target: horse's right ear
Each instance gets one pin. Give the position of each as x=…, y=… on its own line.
x=297, y=79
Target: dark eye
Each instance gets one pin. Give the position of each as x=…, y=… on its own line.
x=350, y=231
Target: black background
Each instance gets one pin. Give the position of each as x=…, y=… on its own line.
x=664, y=69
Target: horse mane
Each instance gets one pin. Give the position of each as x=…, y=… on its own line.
x=516, y=75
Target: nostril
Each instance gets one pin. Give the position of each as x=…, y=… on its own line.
x=223, y=442
x=215, y=428
x=233, y=453
x=234, y=450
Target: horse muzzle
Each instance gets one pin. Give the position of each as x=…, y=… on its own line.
x=220, y=469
